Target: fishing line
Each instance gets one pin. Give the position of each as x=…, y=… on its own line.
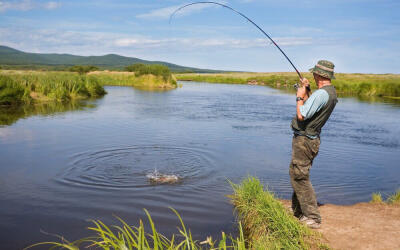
x=248, y=19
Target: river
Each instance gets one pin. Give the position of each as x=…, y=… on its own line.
x=61, y=167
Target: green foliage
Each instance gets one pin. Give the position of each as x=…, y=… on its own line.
x=347, y=84
x=376, y=198
x=124, y=237
x=10, y=91
x=83, y=69
x=145, y=82
x=150, y=69
x=394, y=198
x=267, y=224
x=18, y=87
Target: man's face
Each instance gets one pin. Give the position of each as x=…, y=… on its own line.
x=316, y=77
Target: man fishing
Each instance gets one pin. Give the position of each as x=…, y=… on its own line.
x=312, y=112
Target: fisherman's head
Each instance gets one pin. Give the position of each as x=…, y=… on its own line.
x=323, y=71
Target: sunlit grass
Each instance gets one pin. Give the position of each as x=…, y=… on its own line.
x=144, y=81
x=126, y=237
x=266, y=223
x=393, y=199
x=376, y=198
x=24, y=87
x=18, y=87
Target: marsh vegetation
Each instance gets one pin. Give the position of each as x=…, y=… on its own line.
x=17, y=87
x=381, y=85
x=266, y=225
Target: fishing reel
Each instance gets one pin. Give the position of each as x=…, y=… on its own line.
x=298, y=85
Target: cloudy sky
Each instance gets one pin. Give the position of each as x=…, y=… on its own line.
x=357, y=35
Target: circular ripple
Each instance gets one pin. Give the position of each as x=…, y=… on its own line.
x=128, y=167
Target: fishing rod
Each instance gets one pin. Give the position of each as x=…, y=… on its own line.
x=248, y=19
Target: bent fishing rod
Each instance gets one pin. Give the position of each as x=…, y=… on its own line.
x=248, y=19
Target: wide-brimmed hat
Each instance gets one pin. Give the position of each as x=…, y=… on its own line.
x=324, y=68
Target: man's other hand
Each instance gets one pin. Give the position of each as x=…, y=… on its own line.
x=301, y=92
x=305, y=82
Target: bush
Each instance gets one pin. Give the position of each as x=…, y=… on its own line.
x=83, y=69
x=153, y=69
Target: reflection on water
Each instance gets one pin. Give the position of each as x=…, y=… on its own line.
x=11, y=114
x=374, y=99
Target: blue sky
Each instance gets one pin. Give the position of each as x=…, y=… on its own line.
x=357, y=35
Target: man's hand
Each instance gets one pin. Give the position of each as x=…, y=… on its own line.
x=302, y=91
x=305, y=82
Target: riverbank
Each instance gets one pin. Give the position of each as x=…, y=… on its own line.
x=265, y=222
x=268, y=222
x=146, y=81
x=380, y=85
x=18, y=87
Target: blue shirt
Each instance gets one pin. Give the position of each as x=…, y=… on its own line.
x=314, y=104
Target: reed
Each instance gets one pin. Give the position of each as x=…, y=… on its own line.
x=126, y=237
x=143, y=81
x=382, y=85
x=393, y=199
x=24, y=87
x=267, y=224
x=376, y=198
x=18, y=87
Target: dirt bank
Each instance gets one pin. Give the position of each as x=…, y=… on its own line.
x=360, y=226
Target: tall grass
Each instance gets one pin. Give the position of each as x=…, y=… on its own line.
x=18, y=87
x=393, y=199
x=150, y=69
x=26, y=86
x=126, y=237
x=143, y=81
x=384, y=85
x=267, y=224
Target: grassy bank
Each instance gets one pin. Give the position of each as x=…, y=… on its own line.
x=386, y=85
x=26, y=86
x=17, y=87
x=124, y=237
x=144, y=81
x=393, y=199
x=266, y=223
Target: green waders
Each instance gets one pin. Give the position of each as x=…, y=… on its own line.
x=304, y=201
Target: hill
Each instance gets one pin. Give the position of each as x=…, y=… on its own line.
x=12, y=58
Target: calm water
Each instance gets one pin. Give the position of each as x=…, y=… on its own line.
x=59, y=169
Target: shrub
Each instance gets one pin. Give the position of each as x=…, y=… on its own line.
x=83, y=69
x=153, y=69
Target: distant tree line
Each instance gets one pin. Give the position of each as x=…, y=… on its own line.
x=83, y=69
x=153, y=69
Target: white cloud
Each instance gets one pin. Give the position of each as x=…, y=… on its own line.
x=25, y=5
x=165, y=13
x=52, y=5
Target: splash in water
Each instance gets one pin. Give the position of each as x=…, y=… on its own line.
x=159, y=178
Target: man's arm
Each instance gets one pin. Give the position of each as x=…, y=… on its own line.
x=302, y=93
x=307, y=109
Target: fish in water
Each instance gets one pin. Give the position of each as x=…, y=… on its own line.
x=159, y=178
